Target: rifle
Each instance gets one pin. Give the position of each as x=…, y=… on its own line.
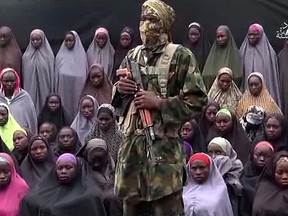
x=145, y=114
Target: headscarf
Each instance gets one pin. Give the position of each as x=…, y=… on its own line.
x=38, y=71
x=261, y=58
x=103, y=56
x=121, y=52
x=164, y=12
x=71, y=68
x=103, y=94
x=264, y=100
x=236, y=136
x=20, y=155
x=7, y=130
x=198, y=199
x=10, y=55
x=58, y=151
x=204, y=125
x=229, y=98
x=59, y=118
x=50, y=197
x=33, y=172
x=113, y=137
x=21, y=104
x=11, y=196
x=280, y=143
x=197, y=142
x=67, y=157
x=230, y=169
x=220, y=57
x=283, y=66
x=202, y=48
x=270, y=198
x=81, y=124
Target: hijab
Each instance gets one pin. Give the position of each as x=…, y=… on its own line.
x=38, y=71
x=198, y=199
x=7, y=130
x=21, y=154
x=204, y=125
x=264, y=100
x=283, y=66
x=11, y=196
x=121, y=52
x=103, y=93
x=33, y=172
x=226, y=99
x=113, y=137
x=21, y=105
x=51, y=198
x=261, y=58
x=220, y=57
x=197, y=141
x=71, y=67
x=236, y=136
x=103, y=56
x=10, y=54
x=81, y=124
x=270, y=198
x=229, y=166
x=280, y=143
x=201, y=48
x=249, y=179
x=77, y=144
x=59, y=118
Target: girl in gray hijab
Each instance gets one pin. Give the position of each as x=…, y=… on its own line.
x=71, y=69
x=38, y=69
x=258, y=55
x=85, y=117
x=101, y=51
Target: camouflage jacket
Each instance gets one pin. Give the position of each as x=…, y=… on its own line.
x=186, y=95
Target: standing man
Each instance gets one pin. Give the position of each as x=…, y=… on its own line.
x=149, y=173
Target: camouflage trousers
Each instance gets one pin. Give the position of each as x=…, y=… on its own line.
x=171, y=205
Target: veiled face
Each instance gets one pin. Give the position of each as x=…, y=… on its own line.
x=66, y=171
x=200, y=171
x=223, y=123
x=187, y=131
x=5, y=174
x=5, y=36
x=36, y=40
x=97, y=158
x=20, y=140
x=214, y=150
x=3, y=115
x=66, y=139
x=125, y=40
x=69, y=41
x=194, y=35
x=273, y=129
x=222, y=37
x=281, y=173
x=101, y=39
x=253, y=37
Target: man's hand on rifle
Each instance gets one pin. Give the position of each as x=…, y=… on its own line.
x=147, y=100
x=126, y=86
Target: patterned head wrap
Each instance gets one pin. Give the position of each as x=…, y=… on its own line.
x=162, y=10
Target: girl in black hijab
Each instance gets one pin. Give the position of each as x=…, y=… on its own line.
x=68, y=142
x=38, y=162
x=64, y=191
x=275, y=132
x=54, y=112
x=198, y=43
x=208, y=117
x=259, y=157
x=271, y=197
x=125, y=44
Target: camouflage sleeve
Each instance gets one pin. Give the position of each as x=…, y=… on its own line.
x=192, y=97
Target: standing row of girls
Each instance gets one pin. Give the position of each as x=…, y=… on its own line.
x=42, y=74
x=255, y=55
